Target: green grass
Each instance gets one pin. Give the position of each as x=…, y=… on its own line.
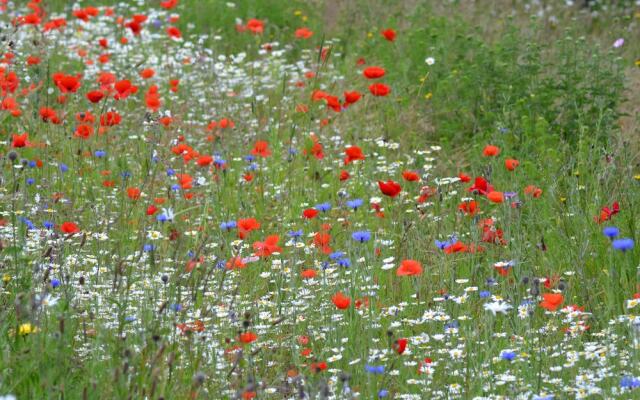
x=148, y=309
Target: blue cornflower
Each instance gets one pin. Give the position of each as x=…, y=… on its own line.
x=219, y=162
x=509, y=195
x=508, y=355
x=161, y=218
x=629, y=382
x=55, y=283
x=355, y=203
x=623, y=244
x=611, y=231
x=251, y=167
x=491, y=282
x=191, y=254
x=28, y=223
x=451, y=325
x=324, y=207
x=222, y=264
x=30, y=181
x=374, y=369
x=344, y=262
x=383, y=393
x=148, y=247
x=177, y=307
x=175, y=188
x=443, y=245
x=361, y=236
x=250, y=158
x=325, y=265
x=63, y=167
x=484, y=294
x=293, y=151
x=336, y=255
x=32, y=164
x=130, y=318
x=100, y=153
x=48, y=224
x=295, y=234
x=171, y=172
x=125, y=174
x=228, y=225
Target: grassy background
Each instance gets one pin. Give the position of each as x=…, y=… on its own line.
x=549, y=90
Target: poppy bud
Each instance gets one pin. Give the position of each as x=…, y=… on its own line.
x=13, y=156
x=198, y=378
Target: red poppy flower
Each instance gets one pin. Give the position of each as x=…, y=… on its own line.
x=341, y=301
x=303, y=33
x=389, y=34
x=168, y=4
x=83, y=131
x=255, y=26
x=551, y=301
x=495, y=197
x=268, y=247
x=389, y=188
x=261, y=148
x=352, y=97
x=248, y=337
x=353, y=153
x=411, y=176
x=309, y=274
x=66, y=83
x=409, y=268
x=310, y=213
x=95, y=96
x=491, y=151
x=481, y=186
x=133, y=193
x=373, y=72
x=147, y=73
x=469, y=207
x=174, y=32
x=69, y=228
x=400, y=345
x=124, y=89
x=322, y=240
x=511, y=164
x=20, y=140
x=235, y=263
x=379, y=89
x=536, y=192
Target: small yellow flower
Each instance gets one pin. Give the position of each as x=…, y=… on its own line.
x=428, y=96
x=563, y=199
x=297, y=13
x=305, y=18
x=369, y=35
x=26, y=328
x=6, y=278
x=638, y=62
x=637, y=177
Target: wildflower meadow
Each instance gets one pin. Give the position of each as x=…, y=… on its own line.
x=204, y=199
